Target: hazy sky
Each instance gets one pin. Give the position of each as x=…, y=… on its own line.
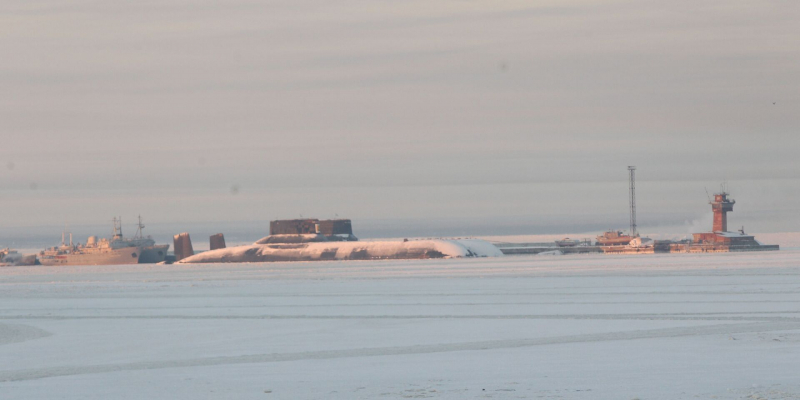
x=446, y=111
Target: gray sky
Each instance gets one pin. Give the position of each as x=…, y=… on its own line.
x=445, y=111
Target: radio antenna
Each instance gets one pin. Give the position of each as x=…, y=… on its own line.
x=632, y=185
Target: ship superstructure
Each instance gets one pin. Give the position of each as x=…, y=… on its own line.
x=613, y=238
x=150, y=252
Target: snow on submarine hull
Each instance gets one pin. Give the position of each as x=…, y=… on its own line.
x=321, y=251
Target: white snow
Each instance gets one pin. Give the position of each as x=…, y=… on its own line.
x=551, y=253
x=733, y=234
x=449, y=248
x=641, y=242
x=306, y=236
x=661, y=326
x=477, y=248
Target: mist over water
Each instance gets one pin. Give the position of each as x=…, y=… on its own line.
x=410, y=118
x=663, y=207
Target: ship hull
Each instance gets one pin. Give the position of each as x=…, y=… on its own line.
x=128, y=255
x=8, y=259
x=622, y=241
x=153, y=254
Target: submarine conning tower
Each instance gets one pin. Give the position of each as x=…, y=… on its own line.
x=721, y=206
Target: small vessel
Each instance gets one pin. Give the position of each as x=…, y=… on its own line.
x=613, y=238
x=567, y=242
x=9, y=257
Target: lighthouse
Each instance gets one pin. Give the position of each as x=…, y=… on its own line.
x=719, y=239
x=721, y=206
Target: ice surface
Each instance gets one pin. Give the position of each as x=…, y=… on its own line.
x=661, y=326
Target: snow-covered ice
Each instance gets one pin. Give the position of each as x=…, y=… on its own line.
x=315, y=251
x=671, y=326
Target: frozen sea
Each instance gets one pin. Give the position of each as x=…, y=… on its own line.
x=671, y=326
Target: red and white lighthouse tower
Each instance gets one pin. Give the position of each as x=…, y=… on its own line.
x=720, y=239
x=721, y=206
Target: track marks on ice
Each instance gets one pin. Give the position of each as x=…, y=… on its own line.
x=711, y=316
x=15, y=333
x=24, y=375
x=430, y=304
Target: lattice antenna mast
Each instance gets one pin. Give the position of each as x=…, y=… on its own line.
x=632, y=185
x=139, y=234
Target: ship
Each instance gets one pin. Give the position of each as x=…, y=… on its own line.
x=614, y=238
x=9, y=257
x=94, y=252
x=567, y=242
x=320, y=240
x=139, y=249
x=149, y=253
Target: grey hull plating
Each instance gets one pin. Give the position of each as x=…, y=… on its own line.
x=153, y=254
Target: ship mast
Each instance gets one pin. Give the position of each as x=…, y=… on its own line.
x=139, y=233
x=64, y=236
x=117, y=221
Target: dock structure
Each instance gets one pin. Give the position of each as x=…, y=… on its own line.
x=721, y=247
x=719, y=240
x=537, y=248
